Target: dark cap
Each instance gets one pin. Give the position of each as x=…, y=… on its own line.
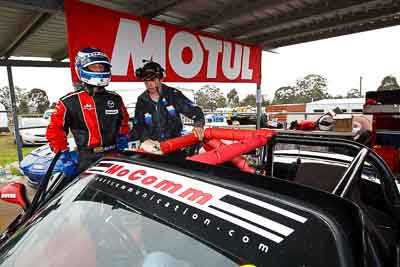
x=150, y=71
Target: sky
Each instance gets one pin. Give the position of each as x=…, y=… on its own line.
x=342, y=60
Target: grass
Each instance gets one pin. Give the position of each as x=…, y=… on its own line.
x=8, y=150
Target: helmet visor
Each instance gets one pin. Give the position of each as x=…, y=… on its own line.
x=86, y=61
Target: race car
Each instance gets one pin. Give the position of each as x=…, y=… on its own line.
x=142, y=209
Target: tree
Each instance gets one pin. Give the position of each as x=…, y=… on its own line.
x=285, y=95
x=353, y=93
x=53, y=105
x=221, y=102
x=265, y=102
x=313, y=87
x=209, y=97
x=38, y=100
x=249, y=100
x=5, y=97
x=233, y=98
x=23, y=106
x=389, y=83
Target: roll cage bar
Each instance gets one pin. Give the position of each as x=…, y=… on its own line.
x=362, y=154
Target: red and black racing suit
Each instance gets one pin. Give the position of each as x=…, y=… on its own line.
x=95, y=122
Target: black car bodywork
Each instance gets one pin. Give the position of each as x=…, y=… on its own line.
x=237, y=217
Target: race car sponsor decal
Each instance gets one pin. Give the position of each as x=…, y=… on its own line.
x=267, y=220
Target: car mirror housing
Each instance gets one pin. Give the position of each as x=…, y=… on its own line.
x=15, y=193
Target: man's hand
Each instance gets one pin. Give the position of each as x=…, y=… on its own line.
x=198, y=132
x=151, y=146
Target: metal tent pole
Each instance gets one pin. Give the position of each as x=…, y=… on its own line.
x=14, y=113
x=258, y=102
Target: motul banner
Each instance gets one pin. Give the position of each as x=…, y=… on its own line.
x=186, y=56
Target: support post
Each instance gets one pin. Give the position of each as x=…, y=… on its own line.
x=258, y=102
x=15, y=114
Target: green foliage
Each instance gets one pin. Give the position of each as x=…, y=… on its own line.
x=23, y=106
x=249, y=100
x=285, y=95
x=353, y=93
x=38, y=100
x=5, y=96
x=389, y=83
x=209, y=97
x=265, y=102
x=312, y=87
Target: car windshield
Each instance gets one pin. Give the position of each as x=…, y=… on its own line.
x=33, y=123
x=85, y=226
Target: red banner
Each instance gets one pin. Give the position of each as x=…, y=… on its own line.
x=186, y=56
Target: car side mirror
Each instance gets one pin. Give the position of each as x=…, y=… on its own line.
x=15, y=193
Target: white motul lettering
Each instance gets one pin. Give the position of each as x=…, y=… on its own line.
x=180, y=41
x=195, y=216
x=207, y=221
x=214, y=47
x=176, y=208
x=245, y=239
x=129, y=44
x=247, y=73
x=231, y=72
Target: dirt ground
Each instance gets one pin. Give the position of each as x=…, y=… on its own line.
x=9, y=211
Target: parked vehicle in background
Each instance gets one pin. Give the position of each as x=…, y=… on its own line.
x=48, y=113
x=248, y=119
x=32, y=131
x=215, y=120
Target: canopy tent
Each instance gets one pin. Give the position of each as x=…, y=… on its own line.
x=36, y=28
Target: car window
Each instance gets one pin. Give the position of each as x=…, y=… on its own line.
x=91, y=228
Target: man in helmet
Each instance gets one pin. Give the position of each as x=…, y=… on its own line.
x=96, y=117
x=158, y=109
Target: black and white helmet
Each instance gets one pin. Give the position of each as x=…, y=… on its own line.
x=325, y=122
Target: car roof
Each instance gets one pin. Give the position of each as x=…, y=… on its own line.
x=274, y=221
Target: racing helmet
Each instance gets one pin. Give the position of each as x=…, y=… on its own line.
x=90, y=56
x=150, y=70
x=325, y=122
